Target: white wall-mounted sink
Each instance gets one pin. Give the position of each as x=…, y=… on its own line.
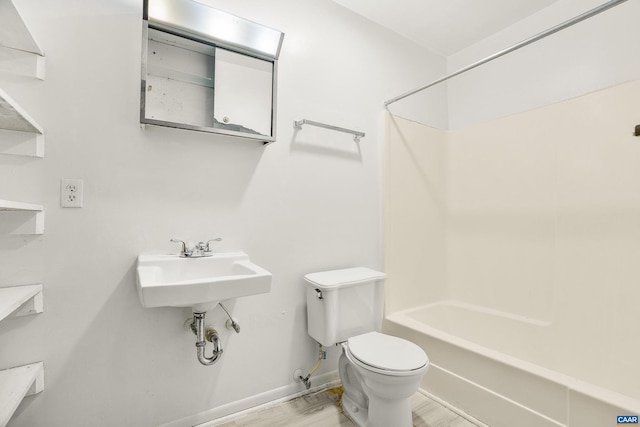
x=200, y=283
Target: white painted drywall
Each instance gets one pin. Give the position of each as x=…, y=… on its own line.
x=311, y=201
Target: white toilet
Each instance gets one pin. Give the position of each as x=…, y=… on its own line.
x=379, y=372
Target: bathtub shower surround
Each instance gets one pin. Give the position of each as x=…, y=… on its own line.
x=519, y=258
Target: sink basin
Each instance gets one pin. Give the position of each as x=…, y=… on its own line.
x=200, y=283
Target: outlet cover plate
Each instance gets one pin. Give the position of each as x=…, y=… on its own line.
x=71, y=194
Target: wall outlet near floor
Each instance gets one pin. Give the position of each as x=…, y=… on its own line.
x=71, y=193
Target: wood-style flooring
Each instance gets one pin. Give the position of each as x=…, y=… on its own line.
x=322, y=409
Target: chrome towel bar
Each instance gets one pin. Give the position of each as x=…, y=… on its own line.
x=356, y=135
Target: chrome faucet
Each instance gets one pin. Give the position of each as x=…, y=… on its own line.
x=200, y=250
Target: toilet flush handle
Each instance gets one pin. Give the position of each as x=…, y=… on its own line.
x=319, y=294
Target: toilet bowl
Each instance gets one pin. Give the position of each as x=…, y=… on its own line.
x=379, y=374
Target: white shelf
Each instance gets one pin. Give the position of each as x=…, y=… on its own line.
x=154, y=70
x=21, y=218
x=12, y=117
x=8, y=205
x=21, y=63
x=14, y=33
x=15, y=143
x=15, y=384
x=21, y=300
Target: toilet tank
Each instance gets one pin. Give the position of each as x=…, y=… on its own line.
x=344, y=303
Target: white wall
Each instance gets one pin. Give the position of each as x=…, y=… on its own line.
x=591, y=55
x=309, y=202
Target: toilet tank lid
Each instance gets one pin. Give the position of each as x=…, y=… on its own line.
x=344, y=277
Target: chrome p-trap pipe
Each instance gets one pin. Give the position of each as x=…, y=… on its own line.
x=202, y=336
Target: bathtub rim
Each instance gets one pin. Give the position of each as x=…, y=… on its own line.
x=602, y=394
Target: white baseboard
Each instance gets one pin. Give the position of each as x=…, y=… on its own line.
x=254, y=403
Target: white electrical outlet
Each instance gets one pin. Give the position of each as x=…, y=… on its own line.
x=71, y=193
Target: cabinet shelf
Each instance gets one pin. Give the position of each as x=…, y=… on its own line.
x=15, y=384
x=21, y=300
x=169, y=73
x=21, y=218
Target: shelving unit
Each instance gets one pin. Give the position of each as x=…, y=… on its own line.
x=20, y=300
x=19, y=54
x=15, y=384
x=21, y=218
x=19, y=135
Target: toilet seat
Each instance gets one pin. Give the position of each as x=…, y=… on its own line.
x=386, y=354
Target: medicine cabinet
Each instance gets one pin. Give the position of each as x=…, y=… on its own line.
x=206, y=70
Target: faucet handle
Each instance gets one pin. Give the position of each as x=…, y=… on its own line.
x=184, y=252
x=217, y=239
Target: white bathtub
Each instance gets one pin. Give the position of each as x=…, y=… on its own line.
x=478, y=366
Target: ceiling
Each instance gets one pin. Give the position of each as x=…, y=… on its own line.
x=445, y=26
